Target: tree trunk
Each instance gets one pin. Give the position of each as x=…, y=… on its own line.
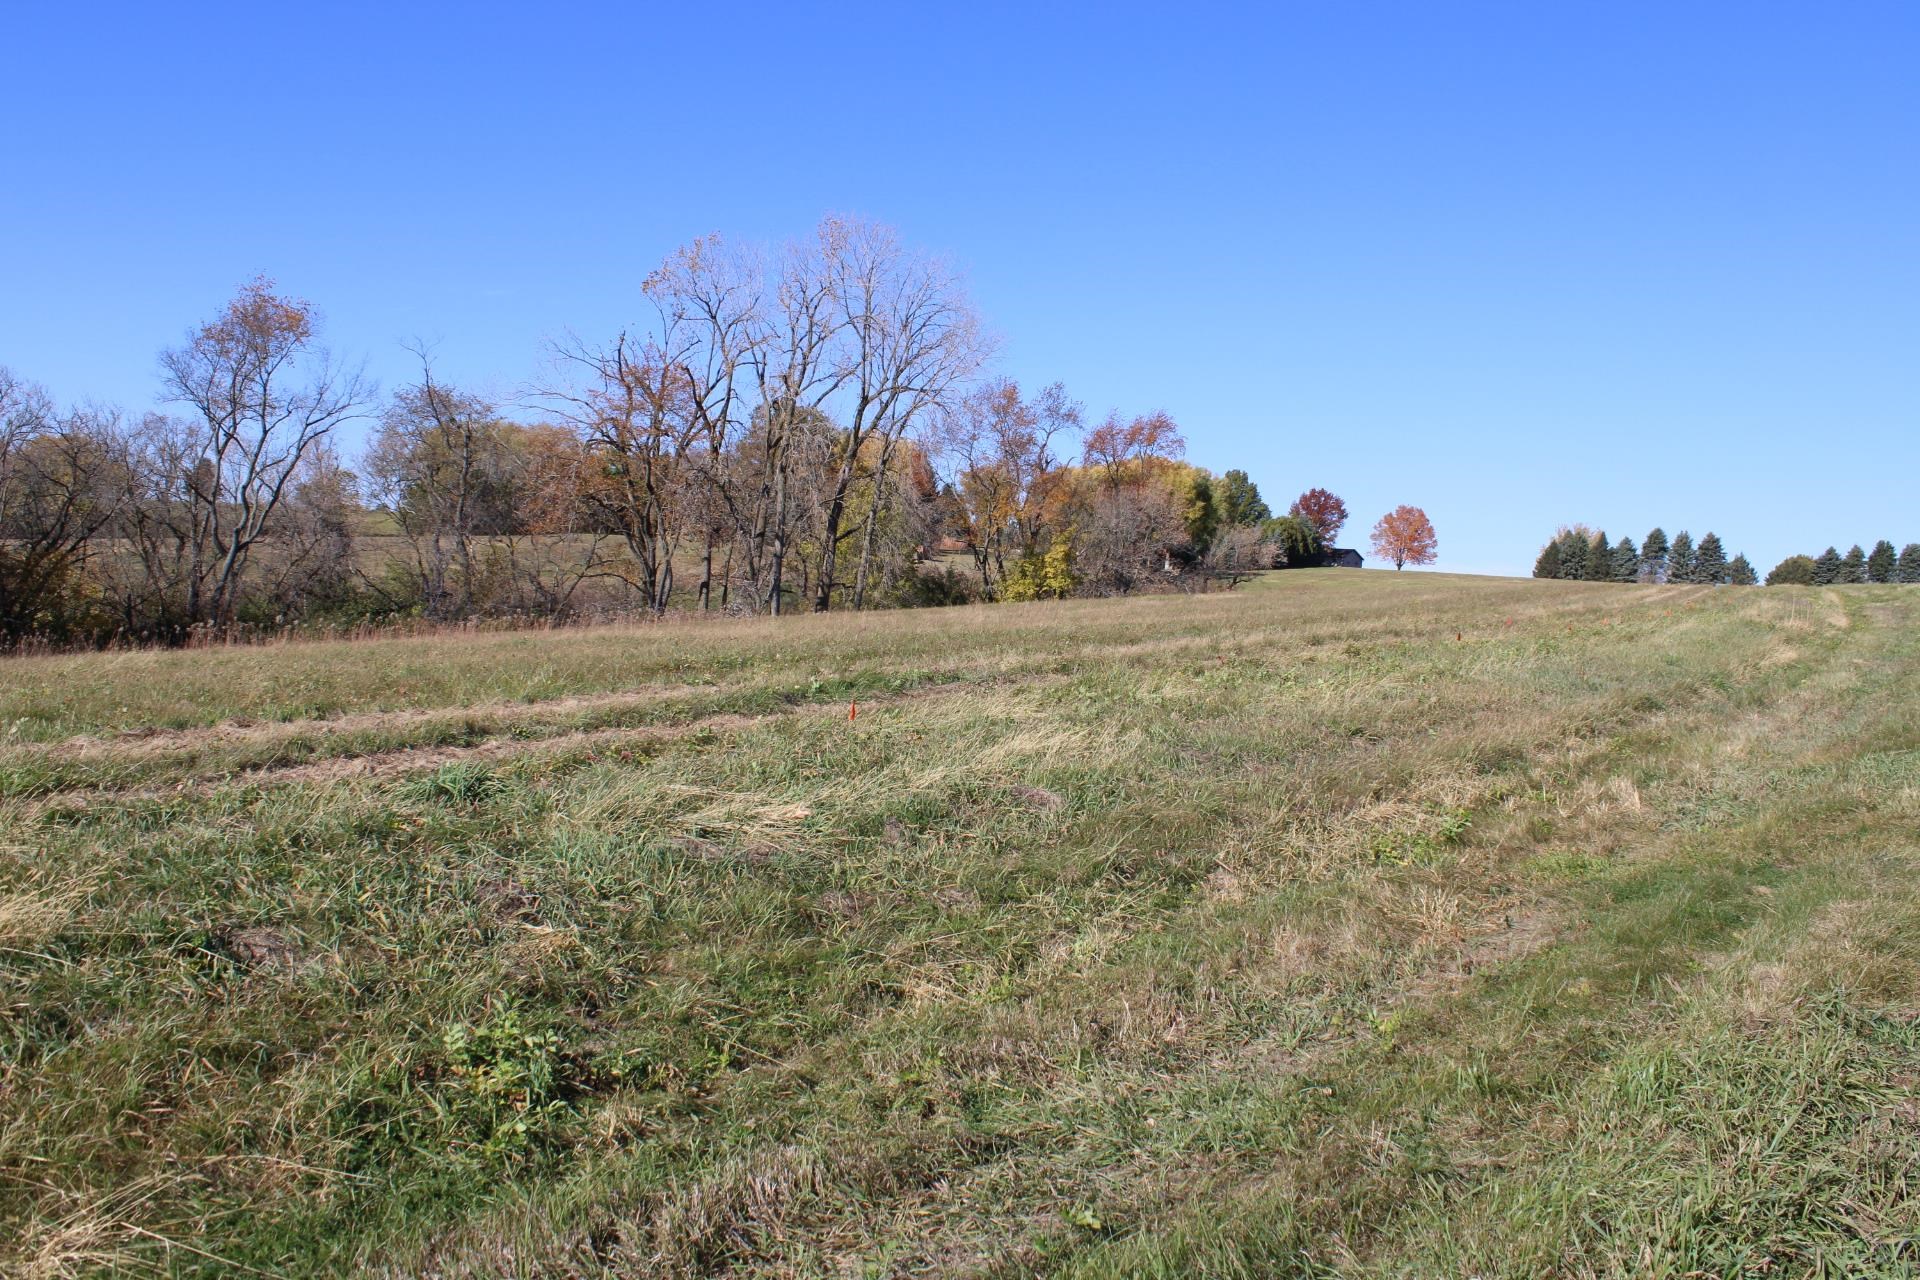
x=777, y=567
x=830, y=552
x=871, y=535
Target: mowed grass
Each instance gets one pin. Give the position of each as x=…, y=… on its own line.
x=1351, y=924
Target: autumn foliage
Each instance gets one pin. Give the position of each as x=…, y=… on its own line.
x=1324, y=511
x=803, y=429
x=1405, y=536
x=1118, y=448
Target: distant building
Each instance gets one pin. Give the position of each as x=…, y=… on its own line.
x=1332, y=557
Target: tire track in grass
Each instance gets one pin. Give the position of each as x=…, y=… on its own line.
x=114, y=762
x=1501, y=941
x=406, y=761
x=105, y=768
x=1349, y=1192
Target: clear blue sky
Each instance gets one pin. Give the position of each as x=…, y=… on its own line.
x=1516, y=263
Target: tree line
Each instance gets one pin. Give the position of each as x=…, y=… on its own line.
x=1830, y=568
x=1579, y=553
x=813, y=427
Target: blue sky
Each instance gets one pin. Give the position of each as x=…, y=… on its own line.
x=1516, y=263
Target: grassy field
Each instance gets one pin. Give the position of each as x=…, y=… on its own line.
x=1353, y=924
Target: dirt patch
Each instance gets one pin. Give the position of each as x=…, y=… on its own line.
x=509, y=901
x=1039, y=798
x=953, y=898
x=267, y=950
x=845, y=906
x=1513, y=933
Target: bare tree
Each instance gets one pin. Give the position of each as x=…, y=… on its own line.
x=265, y=397
x=160, y=531
x=435, y=464
x=425, y=467
x=907, y=336
x=312, y=563
x=1235, y=552
x=662, y=407
x=634, y=407
x=757, y=402
x=795, y=368
x=1121, y=535
x=60, y=486
x=709, y=321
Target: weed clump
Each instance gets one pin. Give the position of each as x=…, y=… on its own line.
x=460, y=783
x=506, y=1085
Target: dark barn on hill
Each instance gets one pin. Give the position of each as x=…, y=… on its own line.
x=1335, y=557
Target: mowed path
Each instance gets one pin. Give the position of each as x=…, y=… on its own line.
x=116, y=721
x=1348, y=924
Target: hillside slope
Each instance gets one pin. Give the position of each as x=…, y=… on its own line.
x=1352, y=924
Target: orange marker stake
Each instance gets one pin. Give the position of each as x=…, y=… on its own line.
x=853, y=708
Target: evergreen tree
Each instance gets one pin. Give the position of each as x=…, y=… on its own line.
x=1239, y=502
x=1881, y=562
x=1826, y=568
x=1626, y=561
x=1548, y=565
x=1680, y=557
x=1740, y=572
x=1854, y=567
x=1908, y=570
x=1653, y=555
x=1575, y=547
x=1600, y=559
x=1574, y=550
x=1710, y=561
x=1793, y=571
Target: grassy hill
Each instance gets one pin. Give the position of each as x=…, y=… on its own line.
x=1350, y=924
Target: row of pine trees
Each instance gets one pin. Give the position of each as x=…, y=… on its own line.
x=1581, y=554
x=1830, y=568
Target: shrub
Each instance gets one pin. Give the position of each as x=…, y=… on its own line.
x=1793, y=571
x=1042, y=577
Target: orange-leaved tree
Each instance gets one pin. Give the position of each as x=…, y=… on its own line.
x=1405, y=536
x=1322, y=509
x=1006, y=480
x=1124, y=452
